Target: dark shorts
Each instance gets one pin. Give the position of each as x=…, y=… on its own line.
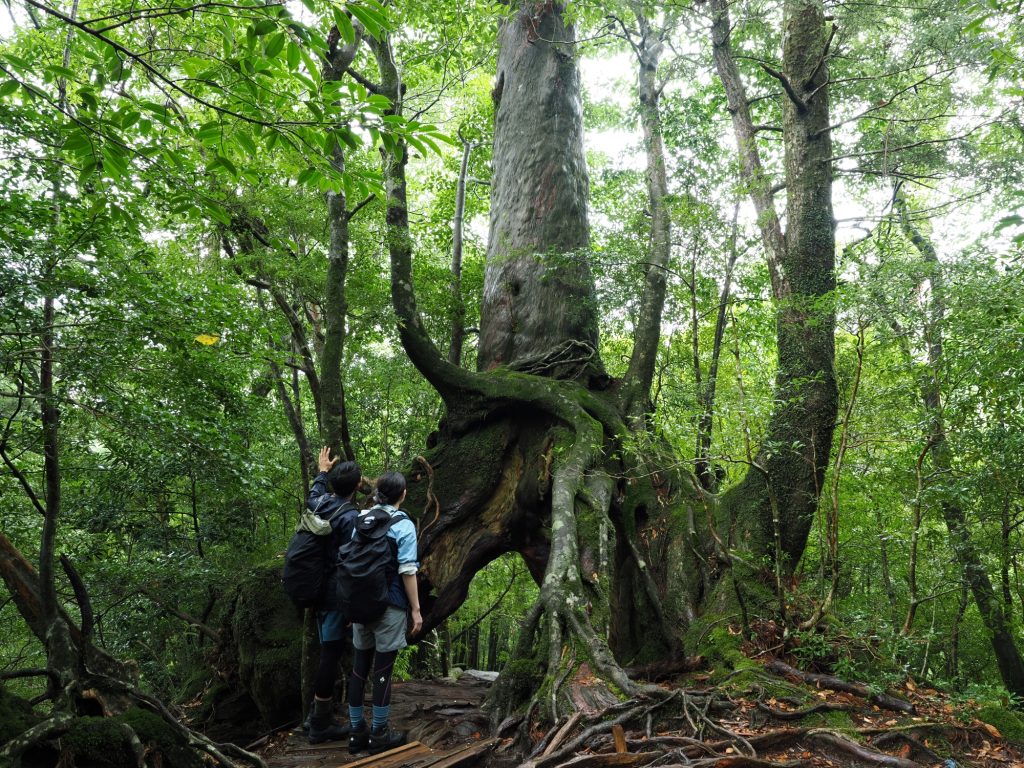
x=331, y=625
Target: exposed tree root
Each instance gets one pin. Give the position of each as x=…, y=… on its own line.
x=799, y=714
x=50, y=728
x=583, y=741
x=836, y=684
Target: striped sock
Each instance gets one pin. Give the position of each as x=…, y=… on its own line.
x=380, y=717
x=355, y=715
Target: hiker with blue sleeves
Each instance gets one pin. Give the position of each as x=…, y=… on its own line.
x=377, y=641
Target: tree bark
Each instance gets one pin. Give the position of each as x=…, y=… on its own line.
x=458, y=313
x=636, y=385
x=777, y=503
x=538, y=309
x=333, y=418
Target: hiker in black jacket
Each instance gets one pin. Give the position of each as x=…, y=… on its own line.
x=331, y=499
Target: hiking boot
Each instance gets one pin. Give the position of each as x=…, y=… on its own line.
x=385, y=739
x=332, y=730
x=358, y=738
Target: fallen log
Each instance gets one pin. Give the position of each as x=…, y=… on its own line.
x=882, y=700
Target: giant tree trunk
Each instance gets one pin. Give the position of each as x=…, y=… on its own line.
x=538, y=309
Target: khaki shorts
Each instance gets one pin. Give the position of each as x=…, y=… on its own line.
x=385, y=634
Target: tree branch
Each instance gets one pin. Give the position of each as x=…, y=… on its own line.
x=787, y=86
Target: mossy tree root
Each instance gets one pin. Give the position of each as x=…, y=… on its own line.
x=50, y=728
x=227, y=755
x=574, y=607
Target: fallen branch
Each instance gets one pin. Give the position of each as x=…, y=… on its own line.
x=882, y=700
x=860, y=751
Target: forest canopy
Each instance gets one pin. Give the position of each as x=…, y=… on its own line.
x=680, y=318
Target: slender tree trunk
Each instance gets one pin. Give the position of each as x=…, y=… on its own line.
x=779, y=501
x=705, y=422
x=991, y=608
x=458, y=314
x=636, y=387
x=331, y=409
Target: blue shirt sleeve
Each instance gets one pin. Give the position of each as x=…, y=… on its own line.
x=404, y=532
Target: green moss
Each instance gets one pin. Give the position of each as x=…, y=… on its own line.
x=100, y=742
x=836, y=720
x=16, y=715
x=1007, y=722
x=266, y=632
x=103, y=742
x=151, y=728
x=518, y=681
x=711, y=638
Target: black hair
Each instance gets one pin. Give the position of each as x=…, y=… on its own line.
x=344, y=478
x=390, y=487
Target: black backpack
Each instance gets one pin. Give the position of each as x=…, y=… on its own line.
x=367, y=565
x=307, y=562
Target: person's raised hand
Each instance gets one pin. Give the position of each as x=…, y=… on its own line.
x=326, y=462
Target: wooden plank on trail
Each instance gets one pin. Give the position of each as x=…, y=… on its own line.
x=327, y=746
x=461, y=755
x=393, y=757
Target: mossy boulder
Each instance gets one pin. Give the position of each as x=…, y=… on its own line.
x=16, y=715
x=262, y=639
x=1007, y=722
x=106, y=742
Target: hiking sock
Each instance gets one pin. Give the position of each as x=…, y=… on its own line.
x=380, y=718
x=327, y=669
x=357, y=684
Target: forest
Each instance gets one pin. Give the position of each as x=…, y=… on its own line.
x=696, y=327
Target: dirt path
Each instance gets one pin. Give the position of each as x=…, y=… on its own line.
x=442, y=715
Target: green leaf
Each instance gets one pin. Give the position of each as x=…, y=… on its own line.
x=8, y=87
x=274, y=45
x=344, y=25
x=59, y=71
x=77, y=141
x=372, y=20
x=244, y=140
x=88, y=169
x=349, y=138
x=306, y=175
x=209, y=131
x=226, y=164
x=292, y=56
x=218, y=214
x=114, y=163
x=264, y=27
